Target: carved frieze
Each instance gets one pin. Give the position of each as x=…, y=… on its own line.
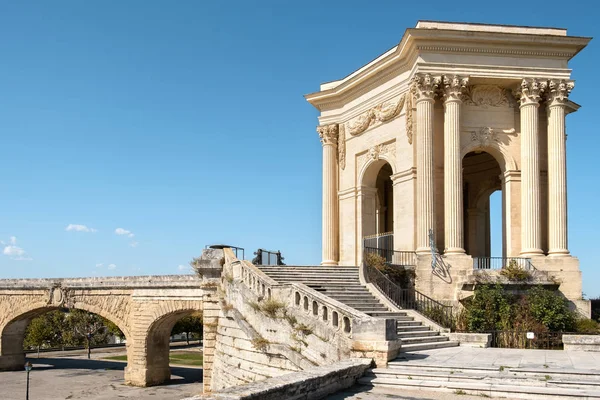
x=375, y=153
x=486, y=136
x=383, y=112
x=409, y=117
x=342, y=146
x=488, y=96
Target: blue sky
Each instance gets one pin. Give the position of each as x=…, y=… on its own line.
x=184, y=123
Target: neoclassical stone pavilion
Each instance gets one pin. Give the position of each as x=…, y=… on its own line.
x=419, y=138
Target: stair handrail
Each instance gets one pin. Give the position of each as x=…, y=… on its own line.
x=410, y=298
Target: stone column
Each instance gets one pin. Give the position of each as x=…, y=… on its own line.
x=529, y=95
x=557, y=167
x=424, y=90
x=453, y=87
x=329, y=139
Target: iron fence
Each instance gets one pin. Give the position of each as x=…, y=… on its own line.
x=380, y=241
x=496, y=263
x=395, y=257
x=411, y=298
x=266, y=257
x=521, y=340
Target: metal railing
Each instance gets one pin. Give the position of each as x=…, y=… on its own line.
x=380, y=241
x=266, y=257
x=410, y=298
x=502, y=262
x=395, y=257
x=520, y=340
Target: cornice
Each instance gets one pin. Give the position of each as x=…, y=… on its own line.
x=415, y=41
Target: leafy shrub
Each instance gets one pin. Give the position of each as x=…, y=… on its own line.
x=514, y=272
x=551, y=309
x=585, y=325
x=401, y=276
x=489, y=309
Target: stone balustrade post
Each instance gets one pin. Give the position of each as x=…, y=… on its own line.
x=453, y=89
x=329, y=140
x=529, y=95
x=557, y=168
x=424, y=89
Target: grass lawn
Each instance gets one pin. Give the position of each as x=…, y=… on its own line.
x=175, y=357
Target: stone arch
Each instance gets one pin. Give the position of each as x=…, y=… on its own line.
x=155, y=335
x=14, y=324
x=367, y=175
x=503, y=157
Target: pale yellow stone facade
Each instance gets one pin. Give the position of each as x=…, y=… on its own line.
x=419, y=138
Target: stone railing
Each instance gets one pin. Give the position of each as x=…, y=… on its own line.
x=324, y=309
x=313, y=305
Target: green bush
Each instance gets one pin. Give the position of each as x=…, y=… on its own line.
x=585, y=325
x=551, y=309
x=513, y=272
x=489, y=309
x=401, y=276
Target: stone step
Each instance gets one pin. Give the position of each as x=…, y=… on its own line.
x=478, y=388
x=390, y=314
x=417, y=326
x=416, y=333
x=402, y=364
x=427, y=346
x=424, y=339
x=404, y=324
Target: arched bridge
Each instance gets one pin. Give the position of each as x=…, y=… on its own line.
x=145, y=308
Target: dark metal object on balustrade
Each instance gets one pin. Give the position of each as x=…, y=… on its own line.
x=394, y=257
x=266, y=257
x=235, y=249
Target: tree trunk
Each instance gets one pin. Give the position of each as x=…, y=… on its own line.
x=187, y=338
x=38, y=351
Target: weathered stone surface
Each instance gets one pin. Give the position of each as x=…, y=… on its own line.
x=581, y=342
x=314, y=384
x=472, y=339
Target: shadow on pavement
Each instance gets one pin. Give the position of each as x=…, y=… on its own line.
x=179, y=375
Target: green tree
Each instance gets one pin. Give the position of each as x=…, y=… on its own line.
x=45, y=330
x=191, y=324
x=489, y=309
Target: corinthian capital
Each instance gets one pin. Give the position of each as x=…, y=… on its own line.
x=453, y=87
x=328, y=134
x=531, y=90
x=424, y=86
x=559, y=90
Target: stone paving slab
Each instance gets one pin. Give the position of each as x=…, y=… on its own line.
x=561, y=360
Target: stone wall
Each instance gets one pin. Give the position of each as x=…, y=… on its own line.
x=266, y=329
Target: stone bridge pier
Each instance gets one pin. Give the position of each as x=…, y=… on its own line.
x=145, y=308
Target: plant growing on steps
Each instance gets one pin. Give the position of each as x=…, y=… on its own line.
x=514, y=272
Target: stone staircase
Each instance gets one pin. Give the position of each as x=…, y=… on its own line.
x=342, y=283
x=513, y=383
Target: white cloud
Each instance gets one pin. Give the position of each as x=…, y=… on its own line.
x=134, y=244
x=124, y=232
x=183, y=267
x=15, y=252
x=99, y=265
x=79, y=228
x=111, y=266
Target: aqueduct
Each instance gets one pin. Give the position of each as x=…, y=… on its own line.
x=145, y=308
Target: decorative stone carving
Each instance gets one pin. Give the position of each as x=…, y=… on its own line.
x=375, y=153
x=57, y=297
x=342, y=146
x=383, y=112
x=487, y=96
x=328, y=134
x=454, y=87
x=530, y=91
x=558, y=91
x=409, y=117
x=486, y=136
x=424, y=86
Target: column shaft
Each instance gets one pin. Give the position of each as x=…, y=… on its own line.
x=531, y=241
x=557, y=169
x=453, y=190
x=329, y=137
x=425, y=185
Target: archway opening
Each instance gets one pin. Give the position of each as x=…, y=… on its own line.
x=377, y=206
x=483, y=206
